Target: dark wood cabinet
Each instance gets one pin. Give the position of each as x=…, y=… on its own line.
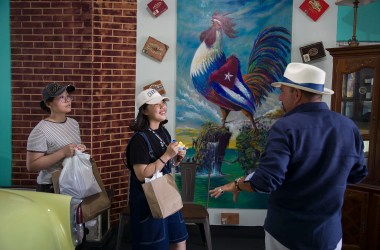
x=361, y=218
x=356, y=82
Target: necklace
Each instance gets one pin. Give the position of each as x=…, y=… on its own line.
x=162, y=142
x=169, y=164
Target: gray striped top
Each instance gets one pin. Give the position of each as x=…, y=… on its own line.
x=48, y=137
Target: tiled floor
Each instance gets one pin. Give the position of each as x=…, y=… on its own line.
x=223, y=238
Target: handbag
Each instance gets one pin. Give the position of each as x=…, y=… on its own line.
x=163, y=196
x=93, y=205
x=77, y=178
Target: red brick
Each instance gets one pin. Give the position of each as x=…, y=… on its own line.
x=58, y=41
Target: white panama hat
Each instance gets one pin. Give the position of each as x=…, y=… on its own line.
x=149, y=96
x=305, y=77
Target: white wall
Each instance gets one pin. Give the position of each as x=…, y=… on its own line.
x=304, y=31
x=164, y=29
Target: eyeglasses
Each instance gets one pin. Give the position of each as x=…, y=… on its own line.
x=64, y=99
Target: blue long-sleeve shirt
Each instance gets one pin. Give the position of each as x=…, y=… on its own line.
x=311, y=155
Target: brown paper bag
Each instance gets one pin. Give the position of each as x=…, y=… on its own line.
x=163, y=196
x=93, y=205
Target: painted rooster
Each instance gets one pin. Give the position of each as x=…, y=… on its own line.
x=219, y=79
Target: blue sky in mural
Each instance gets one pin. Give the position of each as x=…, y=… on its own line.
x=193, y=17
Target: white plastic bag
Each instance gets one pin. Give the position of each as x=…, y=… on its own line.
x=156, y=175
x=77, y=178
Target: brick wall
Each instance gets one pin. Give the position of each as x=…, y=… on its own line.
x=91, y=44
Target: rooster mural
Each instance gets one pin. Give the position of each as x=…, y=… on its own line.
x=219, y=79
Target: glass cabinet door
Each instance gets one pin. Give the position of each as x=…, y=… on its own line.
x=357, y=98
x=357, y=101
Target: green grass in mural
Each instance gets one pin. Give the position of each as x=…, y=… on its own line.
x=186, y=135
x=231, y=171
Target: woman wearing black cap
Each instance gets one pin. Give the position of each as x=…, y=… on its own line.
x=54, y=138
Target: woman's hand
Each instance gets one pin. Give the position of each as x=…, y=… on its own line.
x=81, y=147
x=180, y=156
x=36, y=161
x=174, y=153
x=69, y=150
x=172, y=150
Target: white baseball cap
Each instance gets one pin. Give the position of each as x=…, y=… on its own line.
x=306, y=77
x=149, y=96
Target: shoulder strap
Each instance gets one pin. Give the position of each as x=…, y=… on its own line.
x=151, y=154
x=152, y=157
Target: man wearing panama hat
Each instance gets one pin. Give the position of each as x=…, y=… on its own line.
x=311, y=155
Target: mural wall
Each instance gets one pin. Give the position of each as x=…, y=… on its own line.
x=228, y=53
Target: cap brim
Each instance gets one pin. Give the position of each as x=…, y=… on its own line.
x=70, y=88
x=158, y=100
x=326, y=91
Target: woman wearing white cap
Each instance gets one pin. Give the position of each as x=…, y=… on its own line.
x=55, y=137
x=148, y=232
x=311, y=155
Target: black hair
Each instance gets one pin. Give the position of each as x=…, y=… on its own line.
x=141, y=122
x=43, y=105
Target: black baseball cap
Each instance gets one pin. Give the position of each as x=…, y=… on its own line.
x=54, y=89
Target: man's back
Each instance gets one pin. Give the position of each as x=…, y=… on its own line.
x=311, y=153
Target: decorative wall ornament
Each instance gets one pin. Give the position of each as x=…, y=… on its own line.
x=157, y=7
x=157, y=85
x=155, y=49
x=314, y=8
x=312, y=51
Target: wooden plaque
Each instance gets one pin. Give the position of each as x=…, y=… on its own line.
x=157, y=85
x=312, y=52
x=155, y=49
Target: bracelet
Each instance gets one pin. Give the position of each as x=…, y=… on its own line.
x=237, y=184
x=162, y=161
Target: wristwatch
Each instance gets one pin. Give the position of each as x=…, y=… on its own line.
x=237, y=184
